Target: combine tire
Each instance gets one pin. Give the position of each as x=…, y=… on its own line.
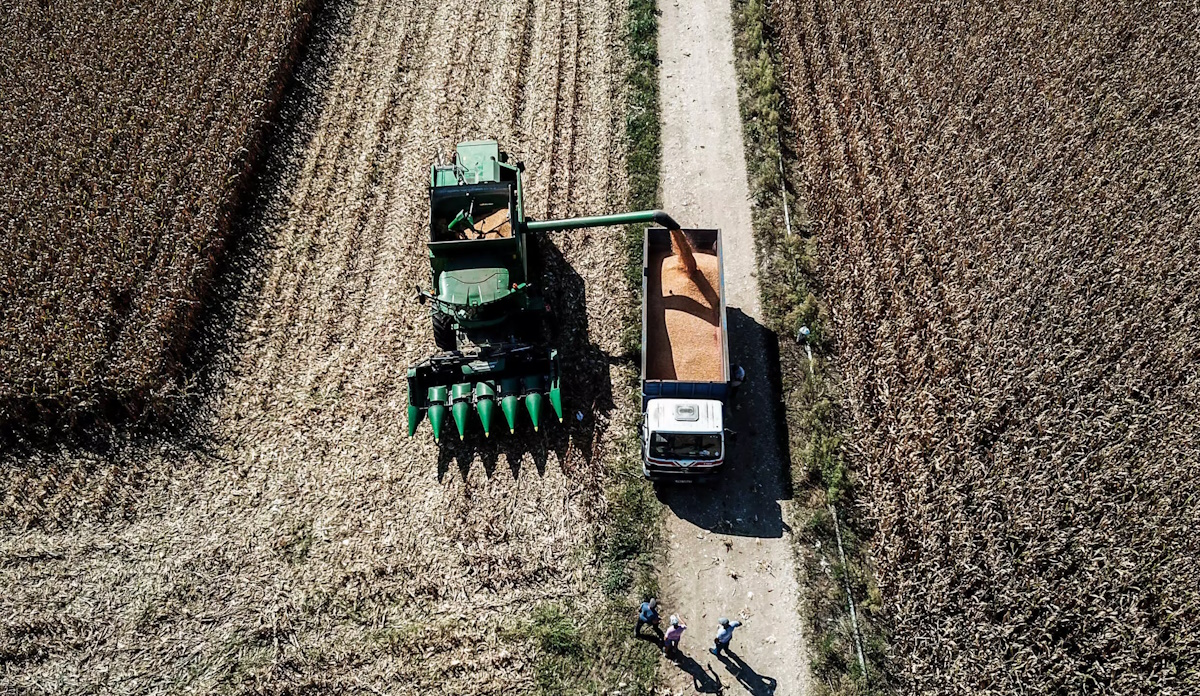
x=444, y=335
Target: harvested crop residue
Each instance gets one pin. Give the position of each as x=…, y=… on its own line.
x=301, y=543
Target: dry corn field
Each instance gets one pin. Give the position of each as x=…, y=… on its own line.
x=296, y=540
x=1006, y=203
x=127, y=131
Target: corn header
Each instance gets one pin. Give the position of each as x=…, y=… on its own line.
x=490, y=322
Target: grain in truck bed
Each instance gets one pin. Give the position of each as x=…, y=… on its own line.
x=683, y=325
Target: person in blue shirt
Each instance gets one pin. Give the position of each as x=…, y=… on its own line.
x=724, y=635
x=648, y=615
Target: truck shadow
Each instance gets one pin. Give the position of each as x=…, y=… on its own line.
x=586, y=390
x=744, y=500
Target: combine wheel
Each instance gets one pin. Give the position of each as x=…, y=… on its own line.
x=444, y=335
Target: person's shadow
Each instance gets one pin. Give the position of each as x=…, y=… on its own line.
x=754, y=682
x=704, y=681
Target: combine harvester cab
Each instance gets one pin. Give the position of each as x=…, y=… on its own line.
x=490, y=322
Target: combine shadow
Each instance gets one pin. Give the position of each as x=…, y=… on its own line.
x=745, y=501
x=586, y=390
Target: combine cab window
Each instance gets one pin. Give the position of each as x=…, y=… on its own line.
x=685, y=446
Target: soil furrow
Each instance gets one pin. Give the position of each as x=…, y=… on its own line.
x=375, y=192
x=315, y=192
x=521, y=75
x=343, y=192
x=373, y=216
x=327, y=135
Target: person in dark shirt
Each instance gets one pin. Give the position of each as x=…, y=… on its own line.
x=648, y=615
x=735, y=381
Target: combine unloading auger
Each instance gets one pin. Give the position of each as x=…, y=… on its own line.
x=489, y=320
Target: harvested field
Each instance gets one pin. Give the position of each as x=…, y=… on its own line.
x=296, y=539
x=1004, y=198
x=683, y=319
x=128, y=131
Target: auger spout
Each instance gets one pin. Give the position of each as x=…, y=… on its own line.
x=636, y=217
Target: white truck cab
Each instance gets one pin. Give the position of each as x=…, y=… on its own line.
x=683, y=437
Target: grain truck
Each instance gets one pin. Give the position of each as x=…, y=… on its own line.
x=685, y=355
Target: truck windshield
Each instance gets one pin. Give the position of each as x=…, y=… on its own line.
x=685, y=446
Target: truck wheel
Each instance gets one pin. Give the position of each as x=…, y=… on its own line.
x=444, y=335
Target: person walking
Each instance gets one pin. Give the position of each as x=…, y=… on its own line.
x=648, y=614
x=672, y=636
x=724, y=635
x=735, y=383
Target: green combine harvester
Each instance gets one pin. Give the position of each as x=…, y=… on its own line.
x=490, y=322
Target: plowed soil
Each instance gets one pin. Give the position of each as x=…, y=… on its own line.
x=296, y=539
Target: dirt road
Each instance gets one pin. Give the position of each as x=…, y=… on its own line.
x=730, y=548
x=296, y=539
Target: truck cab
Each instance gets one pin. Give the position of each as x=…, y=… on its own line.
x=683, y=438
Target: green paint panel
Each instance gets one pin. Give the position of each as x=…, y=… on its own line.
x=473, y=286
x=484, y=408
x=533, y=404
x=437, y=416
x=485, y=403
x=460, y=412
x=414, y=417
x=556, y=402
x=480, y=159
x=509, y=405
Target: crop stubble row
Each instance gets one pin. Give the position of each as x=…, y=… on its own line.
x=314, y=545
x=1008, y=236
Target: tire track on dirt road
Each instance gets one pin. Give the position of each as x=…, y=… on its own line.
x=731, y=552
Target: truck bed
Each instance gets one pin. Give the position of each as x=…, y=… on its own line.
x=684, y=339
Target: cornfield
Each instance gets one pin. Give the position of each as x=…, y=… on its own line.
x=1005, y=198
x=295, y=540
x=128, y=129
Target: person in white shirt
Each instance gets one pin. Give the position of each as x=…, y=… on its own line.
x=672, y=636
x=724, y=635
